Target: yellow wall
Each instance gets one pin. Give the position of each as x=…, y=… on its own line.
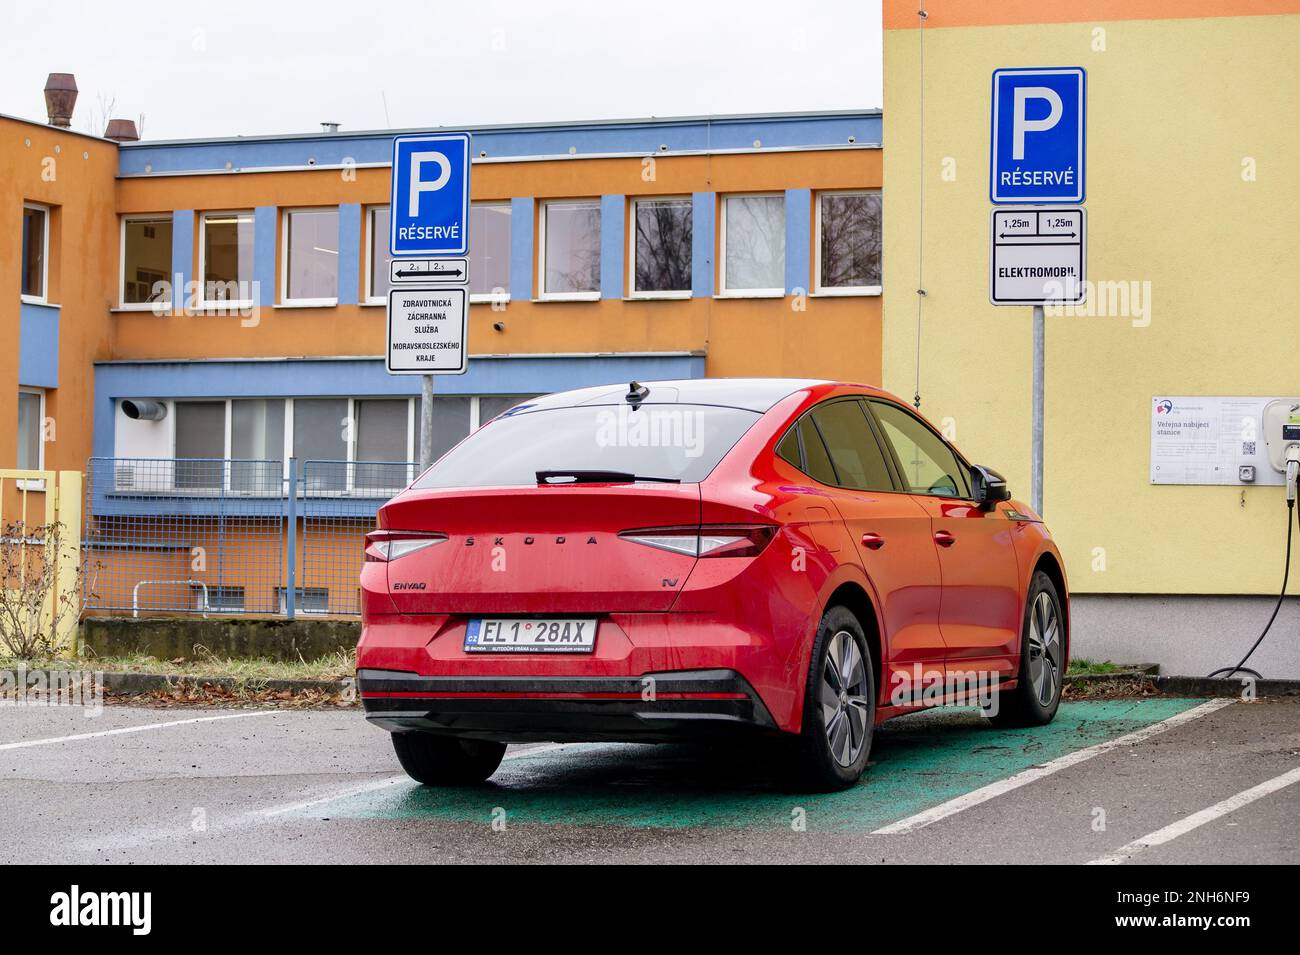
x=1174, y=107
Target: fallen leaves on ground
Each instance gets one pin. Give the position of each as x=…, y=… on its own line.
x=188, y=693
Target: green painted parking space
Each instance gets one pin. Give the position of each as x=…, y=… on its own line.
x=918, y=761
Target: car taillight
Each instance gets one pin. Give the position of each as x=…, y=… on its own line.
x=389, y=545
x=711, y=540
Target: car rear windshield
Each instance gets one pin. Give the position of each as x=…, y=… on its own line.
x=675, y=442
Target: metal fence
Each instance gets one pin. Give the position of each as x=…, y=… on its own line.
x=216, y=536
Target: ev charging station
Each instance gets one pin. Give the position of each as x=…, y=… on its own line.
x=1038, y=251
x=428, y=304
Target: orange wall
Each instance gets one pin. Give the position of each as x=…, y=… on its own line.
x=902, y=14
x=832, y=337
x=79, y=187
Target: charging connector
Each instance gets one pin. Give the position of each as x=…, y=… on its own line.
x=1292, y=469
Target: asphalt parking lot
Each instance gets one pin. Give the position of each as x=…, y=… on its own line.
x=1154, y=780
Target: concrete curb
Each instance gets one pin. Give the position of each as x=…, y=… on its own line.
x=1193, y=686
x=133, y=684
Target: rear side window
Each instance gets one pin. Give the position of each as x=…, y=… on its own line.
x=788, y=448
x=928, y=465
x=859, y=462
x=669, y=441
x=817, y=463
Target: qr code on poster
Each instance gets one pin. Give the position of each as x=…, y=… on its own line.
x=1248, y=448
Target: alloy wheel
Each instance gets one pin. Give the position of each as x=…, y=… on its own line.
x=1044, y=649
x=844, y=698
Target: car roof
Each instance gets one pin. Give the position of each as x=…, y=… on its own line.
x=754, y=394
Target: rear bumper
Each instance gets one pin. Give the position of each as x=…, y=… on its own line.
x=656, y=707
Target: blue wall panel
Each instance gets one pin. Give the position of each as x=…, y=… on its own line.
x=349, y=252
x=611, y=246
x=38, y=346
x=703, y=209
x=521, y=249
x=182, y=255
x=645, y=137
x=798, y=209
x=264, y=260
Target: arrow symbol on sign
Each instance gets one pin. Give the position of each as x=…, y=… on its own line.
x=403, y=274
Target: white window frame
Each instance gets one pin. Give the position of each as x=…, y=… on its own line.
x=204, y=301
x=487, y=298
x=44, y=297
x=818, y=288
x=36, y=484
x=632, y=291
x=122, y=304
x=318, y=302
x=369, y=212
x=542, y=294
x=723, y=291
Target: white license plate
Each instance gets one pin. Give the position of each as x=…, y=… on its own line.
x=517, y=635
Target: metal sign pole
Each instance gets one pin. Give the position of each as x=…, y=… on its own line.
x=426, y=421
x=1036, y=461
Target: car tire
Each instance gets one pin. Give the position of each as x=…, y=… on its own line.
x=839, y=713
x=445, y=760
x=1037, y=693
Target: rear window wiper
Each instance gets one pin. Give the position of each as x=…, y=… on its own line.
x=584, y=476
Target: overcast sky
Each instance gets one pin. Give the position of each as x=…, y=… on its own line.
x=219, y=69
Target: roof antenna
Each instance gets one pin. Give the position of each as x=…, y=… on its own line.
x=636, y=393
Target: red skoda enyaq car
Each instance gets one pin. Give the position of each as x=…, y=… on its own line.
x=691, y=559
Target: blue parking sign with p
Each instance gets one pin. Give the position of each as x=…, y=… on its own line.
x=429, y=213
x=1038, y=135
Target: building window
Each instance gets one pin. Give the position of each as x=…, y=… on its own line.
x=383, y=434
x=377, y=257
x=256, y=444
x=146, y=262
x=661, y=247
x=321, y=427
x=218, y=599
x=570, y=266
x=489, y=251
x=226, y=258
x=200, y=444
x=36, y=252
x=311, y=257
x=753, y=245
x=848, y=243
x=31, y=437
x=305, y=599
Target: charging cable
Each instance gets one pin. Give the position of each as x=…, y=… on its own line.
x=1292, y=471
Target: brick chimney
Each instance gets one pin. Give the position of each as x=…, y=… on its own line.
x=60, y=98
x=122, y=130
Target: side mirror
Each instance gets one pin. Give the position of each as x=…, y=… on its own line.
x=988, y=486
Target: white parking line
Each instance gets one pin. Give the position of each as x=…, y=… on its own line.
x=385, y=784
x=24, y=744
x=993, y=790
x=1198, y=819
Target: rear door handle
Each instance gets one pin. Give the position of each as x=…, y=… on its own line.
x=944, y=539
x=873, y=541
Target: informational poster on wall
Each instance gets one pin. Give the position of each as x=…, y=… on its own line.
x=1209, y=440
